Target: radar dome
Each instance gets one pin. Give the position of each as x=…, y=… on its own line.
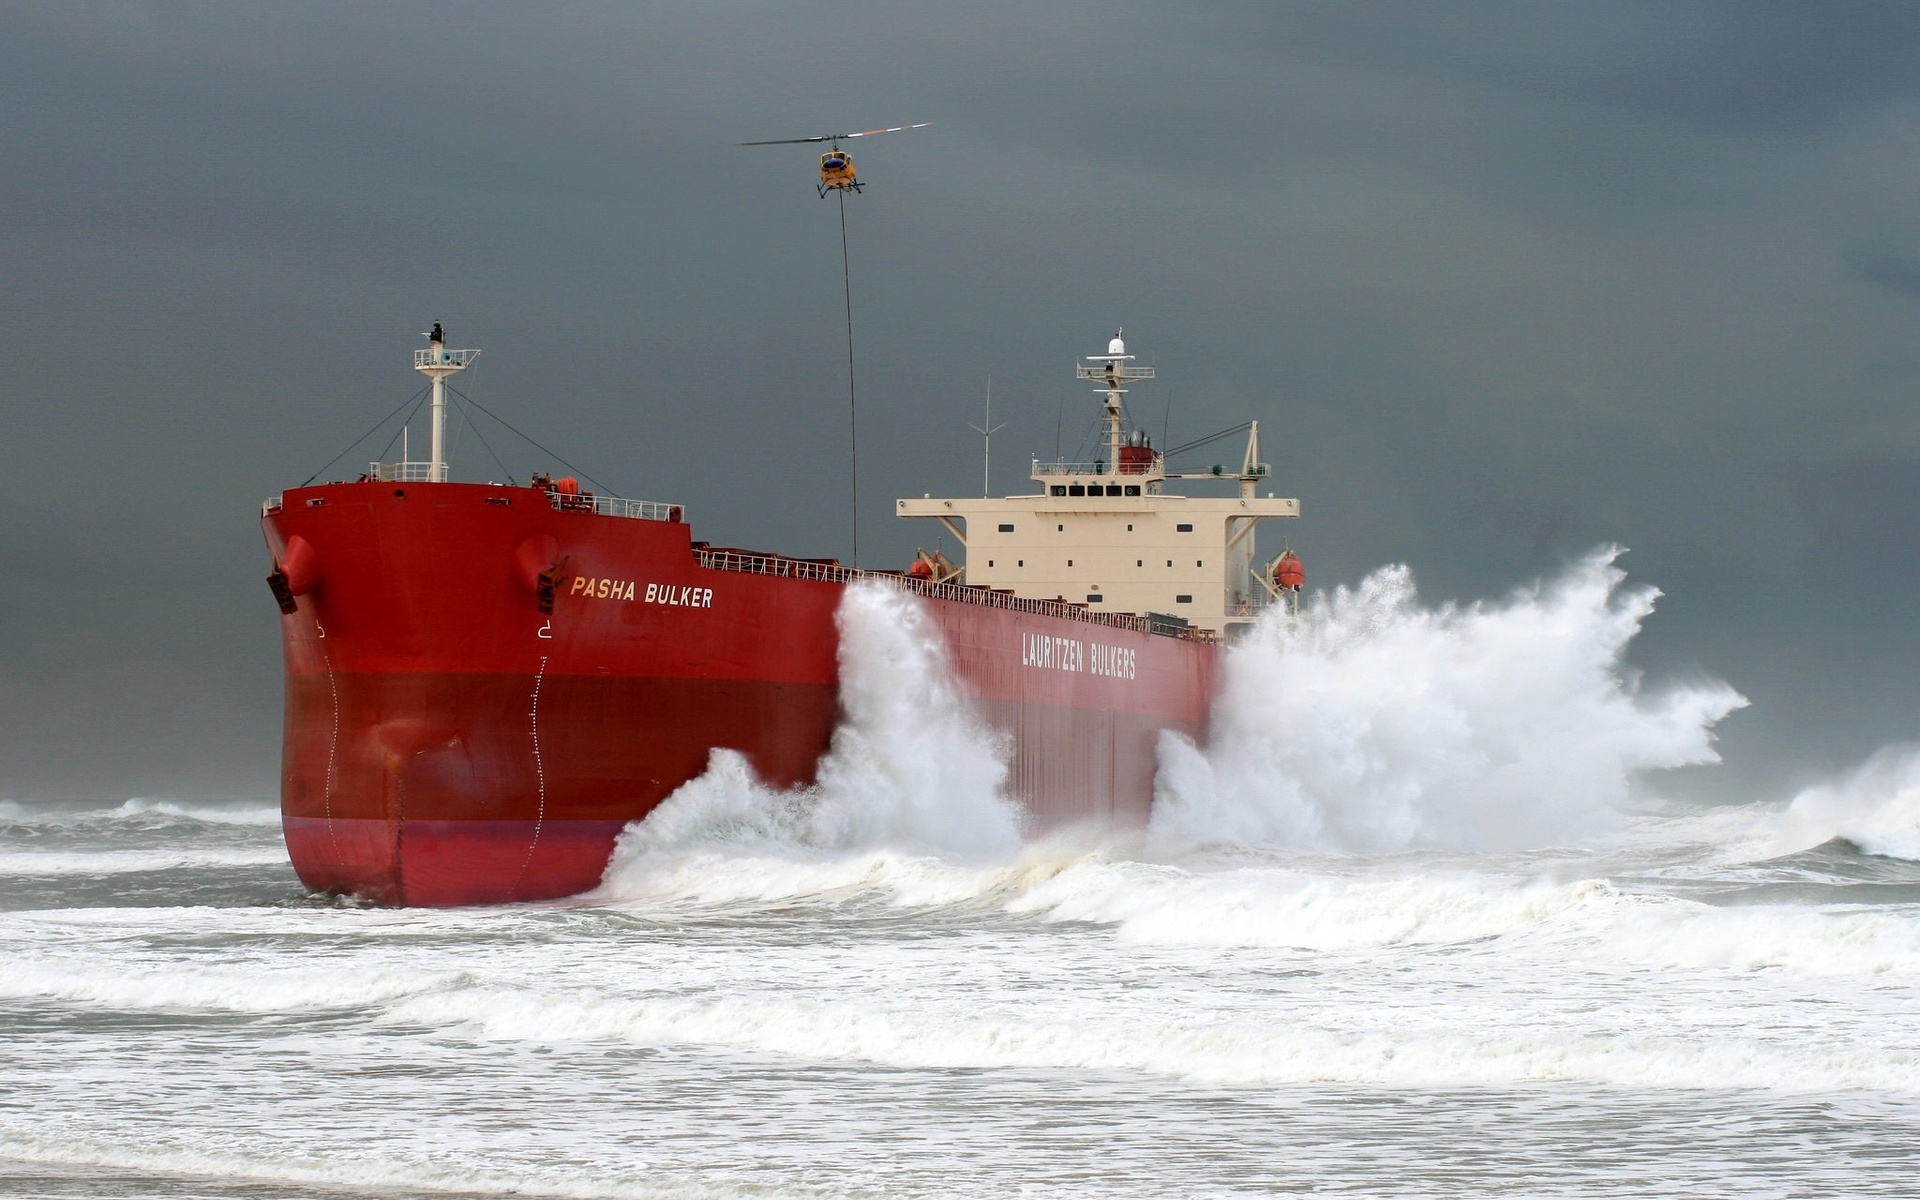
x=1116, y=346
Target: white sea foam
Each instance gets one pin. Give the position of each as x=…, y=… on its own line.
x=144, y=809
x=911, y=769
x=1297, y=910
x=1876, y=806
x=280, y=1161
x=1372, y=723
x=1454, y=1031
x=237, y=988
x=131, y=862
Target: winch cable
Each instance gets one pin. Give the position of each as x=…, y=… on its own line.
x=369, y=433
x=529, y=441
x=853, y=418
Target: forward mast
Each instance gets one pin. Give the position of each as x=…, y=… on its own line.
x=436, y=362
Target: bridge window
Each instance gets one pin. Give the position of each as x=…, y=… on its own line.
x=1076, y=490
x=1059, y=489
x=1183, y=529
x=1183, y=599
x=1006, y=529
x=1133, y=489
x=1113, y=489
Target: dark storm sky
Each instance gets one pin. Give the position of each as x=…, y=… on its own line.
x=1502, y=281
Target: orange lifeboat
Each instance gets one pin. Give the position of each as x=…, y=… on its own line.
x=921, y=569
x=1289, y=573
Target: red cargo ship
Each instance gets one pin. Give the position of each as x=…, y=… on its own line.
x=486, y=683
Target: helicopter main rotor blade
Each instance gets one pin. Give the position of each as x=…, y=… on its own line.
x=894, y=129
x=834, y=137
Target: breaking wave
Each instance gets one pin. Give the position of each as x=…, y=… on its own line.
x=911, y=769
x=1373, y=723
x=1875, y=806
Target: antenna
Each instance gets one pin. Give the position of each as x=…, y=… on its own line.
x=986, y=468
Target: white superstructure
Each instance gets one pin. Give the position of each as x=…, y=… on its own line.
x=1108, y=535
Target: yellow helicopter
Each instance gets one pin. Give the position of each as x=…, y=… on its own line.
x=836, y=165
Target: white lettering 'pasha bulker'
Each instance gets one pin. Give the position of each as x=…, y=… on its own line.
x=656, y=593
x=683, y=597
x=1069, y=654
x=601, y=589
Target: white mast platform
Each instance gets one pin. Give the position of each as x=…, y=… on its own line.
x=1106, y=534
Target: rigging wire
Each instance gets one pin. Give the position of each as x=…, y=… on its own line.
x=463, y=422
x=460, y=423
x=529, y=441
x=475, y=426
x=369, y=433
x=853, y=413
x=403, y=427
x=1059, y=416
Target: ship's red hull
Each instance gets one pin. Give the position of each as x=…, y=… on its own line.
x=449, y=742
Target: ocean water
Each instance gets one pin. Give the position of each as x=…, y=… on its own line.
x=1420, y=923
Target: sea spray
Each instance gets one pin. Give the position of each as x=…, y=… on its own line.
x=1370, y=722
x=1876, y=806
x=911, y=768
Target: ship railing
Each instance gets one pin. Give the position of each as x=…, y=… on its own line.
x=614, y=506
x=408, y=472
x=1148, y=463
x=442, y=357
x=826, y=571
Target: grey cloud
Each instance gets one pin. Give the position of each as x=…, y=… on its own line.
x=1893, y=268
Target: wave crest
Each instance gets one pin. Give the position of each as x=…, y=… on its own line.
x=1875, y=806
x=1373, y=723
x=910, y=768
